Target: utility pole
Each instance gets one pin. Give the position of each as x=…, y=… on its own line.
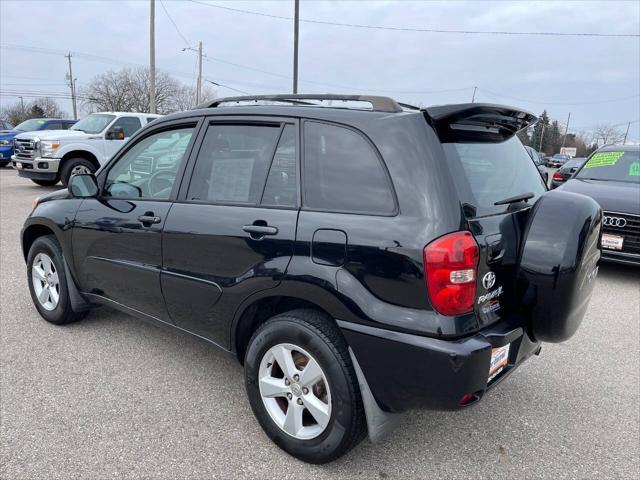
x=566, y=130
x=199, y=86
x=541, y=137
x=21, y=103
x=72, y=87
x=624, y=142
x=296, y=26
x=473, y=98
x=152, y=57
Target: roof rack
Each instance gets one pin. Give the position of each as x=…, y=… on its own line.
x=378, y=104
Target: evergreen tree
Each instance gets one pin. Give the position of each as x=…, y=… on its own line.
x=542, y=124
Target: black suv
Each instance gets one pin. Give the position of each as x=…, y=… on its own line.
x=359, y=262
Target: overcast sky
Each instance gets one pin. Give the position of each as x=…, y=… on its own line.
x=597, y=79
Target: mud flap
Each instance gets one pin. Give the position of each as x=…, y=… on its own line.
x=559, y=263
x=379, y=422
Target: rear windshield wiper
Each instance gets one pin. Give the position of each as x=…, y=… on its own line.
x=523, y=197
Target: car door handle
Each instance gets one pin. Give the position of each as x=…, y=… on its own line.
x=149, y=219
x=260, y=230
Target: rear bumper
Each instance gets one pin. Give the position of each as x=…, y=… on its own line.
x=407, y=371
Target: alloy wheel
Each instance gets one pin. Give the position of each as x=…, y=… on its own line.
x=295, y=391
x=46, y=283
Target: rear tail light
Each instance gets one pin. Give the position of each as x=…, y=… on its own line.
x=451, y=264
x=557, y=176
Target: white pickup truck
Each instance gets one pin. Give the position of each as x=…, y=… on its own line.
x=49, y=157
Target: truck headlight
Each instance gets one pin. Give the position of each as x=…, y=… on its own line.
x=47, y=149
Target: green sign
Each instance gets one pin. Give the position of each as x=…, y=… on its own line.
x=39, y=122
x=634, y=169
x=604, y=159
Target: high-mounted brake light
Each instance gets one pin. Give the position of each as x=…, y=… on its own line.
x=451, y=264
x=557, y=176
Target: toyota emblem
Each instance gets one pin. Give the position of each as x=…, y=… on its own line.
x=488, y=280
x=617, y=222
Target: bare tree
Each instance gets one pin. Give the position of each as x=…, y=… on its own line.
x=605, y=134
x=128, y=90
x=185, y=98
x=44, y=107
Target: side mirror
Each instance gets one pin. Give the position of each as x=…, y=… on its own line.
x=83, y=185
x=116, y=133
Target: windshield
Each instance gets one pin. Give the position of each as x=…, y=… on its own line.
x=30, y=125
x=485, y=173
x=94, y=123
x=613, y=165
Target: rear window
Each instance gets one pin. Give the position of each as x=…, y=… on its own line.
x=488, y=172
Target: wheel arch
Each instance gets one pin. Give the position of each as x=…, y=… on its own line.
x=33, y=232
x=86, y=154
x=256, y=311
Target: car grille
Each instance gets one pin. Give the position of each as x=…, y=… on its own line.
x=24, y=149
x=626, y=225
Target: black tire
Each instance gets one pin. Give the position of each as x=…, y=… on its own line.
x=71, y=163
x=320, y=337
x=45, y=183
x=62, y=313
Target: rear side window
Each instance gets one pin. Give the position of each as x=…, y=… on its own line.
x=232, y=163
x=485, y=173
x=343, y=173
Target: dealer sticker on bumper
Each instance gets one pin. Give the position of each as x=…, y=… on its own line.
x=499, y=359
x=612, y=242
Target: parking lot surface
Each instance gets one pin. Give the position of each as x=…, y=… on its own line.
x=113, y=397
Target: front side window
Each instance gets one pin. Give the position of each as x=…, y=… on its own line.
x=343, y=173
x=129, y=125
x=148, y=170
x=94, y=123
x=232, y=164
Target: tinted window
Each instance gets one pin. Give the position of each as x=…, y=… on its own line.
x=282, y=182
x=342, y=172
x=149, y=168
x=53, y=126
x=129, y=125
x=31, y=125
x=487, y=172
x=232, y=163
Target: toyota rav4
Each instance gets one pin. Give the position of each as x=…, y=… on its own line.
x=359, y=256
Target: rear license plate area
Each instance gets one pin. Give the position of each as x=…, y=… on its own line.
x=499, y=360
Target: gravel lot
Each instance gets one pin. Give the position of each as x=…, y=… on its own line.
x=113, y=397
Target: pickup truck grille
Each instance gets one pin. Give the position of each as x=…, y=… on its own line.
x=24, y=149
x=626, y=225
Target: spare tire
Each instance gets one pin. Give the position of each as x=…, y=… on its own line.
x=559, y=262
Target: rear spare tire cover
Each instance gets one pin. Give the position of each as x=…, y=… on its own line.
x=559, y=262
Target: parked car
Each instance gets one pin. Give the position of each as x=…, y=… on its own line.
x=4, y=125
x=359, y=262
x=565, y=172
x=31, y=125
x=539, y=162
x=52, y=157
x=611, y=176
x=557, y=160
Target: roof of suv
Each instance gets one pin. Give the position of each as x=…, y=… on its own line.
x=624, y=148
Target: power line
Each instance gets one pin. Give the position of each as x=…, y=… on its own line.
x=225, y=86
x=174, y=24
x=419, y=29
x=543, y=102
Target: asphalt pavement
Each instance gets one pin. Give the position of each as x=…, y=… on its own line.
x=114, y=397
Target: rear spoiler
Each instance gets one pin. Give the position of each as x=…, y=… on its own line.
x=477, y=122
